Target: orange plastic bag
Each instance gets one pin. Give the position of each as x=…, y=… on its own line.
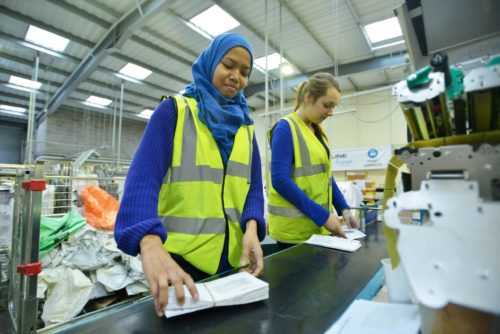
x=100, y=208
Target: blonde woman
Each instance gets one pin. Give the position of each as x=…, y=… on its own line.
x=303, y=189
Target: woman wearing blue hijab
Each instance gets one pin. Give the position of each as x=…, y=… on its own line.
x=196, y=177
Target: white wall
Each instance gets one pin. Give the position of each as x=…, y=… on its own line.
x=374, y=119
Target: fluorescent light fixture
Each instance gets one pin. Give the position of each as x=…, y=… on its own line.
x=93, y=105
x=146, y=113
x=214, y=21
x=287, y=69
x=12, y=108
x=46, y=39
x=92, y=99
x=182, y=91
x=383, y=30
x=387, y=45
x=273, y=61
x=134, y=71
x=27, y=83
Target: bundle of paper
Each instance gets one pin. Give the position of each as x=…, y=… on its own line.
x=240, y=288
x=349, y=245
x=352, y=233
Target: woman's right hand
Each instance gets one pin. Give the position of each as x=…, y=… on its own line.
x=333, y=225
x=160, y=270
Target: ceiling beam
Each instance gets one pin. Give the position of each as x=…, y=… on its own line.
x=313, y=36
x=353, y=84
x=99, y=84
x=258, y=34
x=371, y=64
x=114, y=39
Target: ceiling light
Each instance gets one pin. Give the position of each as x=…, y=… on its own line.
x=46, y=39
x=146, y=113
x=12, y=108
x=134, y=71
x=27, y=83
x=214, y=21
x=287, y=69
x=98, y=100
x=383, y=30
x=387, y=45
x=273, y=61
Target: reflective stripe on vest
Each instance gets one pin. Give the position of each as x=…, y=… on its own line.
x=312, y=176
x=191, y=205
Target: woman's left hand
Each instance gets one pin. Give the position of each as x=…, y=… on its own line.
x=252, y=251
x=349, y=219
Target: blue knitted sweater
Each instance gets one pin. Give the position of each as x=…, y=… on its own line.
x=281, y=169
x=138, y=214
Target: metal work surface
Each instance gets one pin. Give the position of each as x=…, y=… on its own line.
x=309, y=288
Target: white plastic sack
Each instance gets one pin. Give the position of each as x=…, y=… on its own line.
x=68, y=291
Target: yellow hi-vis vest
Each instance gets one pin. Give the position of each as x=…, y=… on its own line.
x=311, y=171
x=198, y=199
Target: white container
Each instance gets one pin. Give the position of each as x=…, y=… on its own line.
x=397, y=283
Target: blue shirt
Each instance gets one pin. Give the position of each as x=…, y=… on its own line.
x=281, y=171
x=138, y=214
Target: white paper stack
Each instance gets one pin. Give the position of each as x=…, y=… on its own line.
x=369, y=317
x=352, y=233
x=240, y=288
x=349, y=245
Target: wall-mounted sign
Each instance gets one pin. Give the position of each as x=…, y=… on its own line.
x=375, y=157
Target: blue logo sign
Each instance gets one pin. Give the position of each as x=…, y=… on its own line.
x=372, y=153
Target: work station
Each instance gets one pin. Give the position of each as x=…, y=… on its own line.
x=271, y=166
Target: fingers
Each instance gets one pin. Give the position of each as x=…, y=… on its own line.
x=244, y=255
x=179, y=291
x=161, y=297
x=191, y=287
x=340, y=233
x=258, y=268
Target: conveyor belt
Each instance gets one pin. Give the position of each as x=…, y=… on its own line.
x=309, y=288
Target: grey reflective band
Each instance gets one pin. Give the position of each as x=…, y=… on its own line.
x=196, y=173
x=188, y=171
x=289, y=212
x=304, y=152
x=194, y=225
x=285, y=212
x=188, y=157
x=235, y=168
x=250, y=155
x=233, y=214
x=309, y=170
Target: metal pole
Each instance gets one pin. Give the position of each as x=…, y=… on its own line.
x=282, y=92
x=31, y=115
x=120, y=125
x=114, y=127
x=266, y=108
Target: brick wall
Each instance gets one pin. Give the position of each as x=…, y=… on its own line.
x=69, y=132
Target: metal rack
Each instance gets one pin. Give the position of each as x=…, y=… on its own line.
x=31, y=185
x=24, y=265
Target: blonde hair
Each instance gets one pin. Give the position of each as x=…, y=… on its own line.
x=317, y=86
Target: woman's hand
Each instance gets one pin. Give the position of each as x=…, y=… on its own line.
x=160, y=270
x=252, y=251
x=333, y=225
x=349, y=219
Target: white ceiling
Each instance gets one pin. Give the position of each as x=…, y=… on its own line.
x=314, y=35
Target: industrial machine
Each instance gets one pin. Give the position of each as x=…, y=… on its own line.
x=450, y=252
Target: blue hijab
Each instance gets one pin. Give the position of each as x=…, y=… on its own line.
x=223, y=116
